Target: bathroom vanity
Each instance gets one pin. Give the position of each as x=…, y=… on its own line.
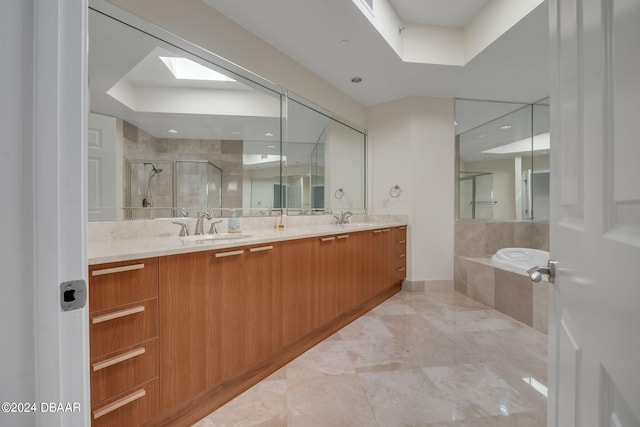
x=178, y=330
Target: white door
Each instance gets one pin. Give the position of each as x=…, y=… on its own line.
x=594, y=337
x=101, y=167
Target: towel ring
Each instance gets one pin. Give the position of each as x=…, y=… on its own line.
x=339, y=193
x=395, y=191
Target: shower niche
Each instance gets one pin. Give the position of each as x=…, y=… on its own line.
x=171, y=188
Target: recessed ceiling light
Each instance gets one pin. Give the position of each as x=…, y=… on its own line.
x=172, y=131
x=356, y=79
x=269, y=134
x=344, y=41
x=504, y=127
x=271, y=146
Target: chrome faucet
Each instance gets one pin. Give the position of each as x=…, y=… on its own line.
x=213, y=229
x=201, y=218
x=343, y=218
x=184, y=231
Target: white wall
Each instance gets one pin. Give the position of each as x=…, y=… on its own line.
x=17, y=322
x=412, y=144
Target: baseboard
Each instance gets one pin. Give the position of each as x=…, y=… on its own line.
x=427, y=285
x=413, y=285
x=439, y=285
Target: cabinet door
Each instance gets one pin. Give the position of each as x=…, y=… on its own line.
x=189, y=348
x=230, y=312
x=325, y=279
x=348, y=257
x=297, y=289
x=262, y=302
x=368, y=270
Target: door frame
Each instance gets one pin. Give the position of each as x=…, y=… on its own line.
x=60, y=211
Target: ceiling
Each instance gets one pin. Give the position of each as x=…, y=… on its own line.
x=335, y=40
x=450, y=13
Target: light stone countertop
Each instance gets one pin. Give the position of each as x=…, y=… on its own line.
x=113, y=250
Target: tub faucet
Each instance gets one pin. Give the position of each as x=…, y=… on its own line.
x=201, y=218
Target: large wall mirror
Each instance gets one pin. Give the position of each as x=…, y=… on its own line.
x=174, y=130
x=503, y=160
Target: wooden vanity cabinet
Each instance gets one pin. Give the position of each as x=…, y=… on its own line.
x=217, y=317
x=123, y=340
x=227, y=318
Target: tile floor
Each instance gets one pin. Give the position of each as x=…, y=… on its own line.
x=419, y=359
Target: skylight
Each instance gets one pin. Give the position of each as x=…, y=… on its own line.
x=186, y=69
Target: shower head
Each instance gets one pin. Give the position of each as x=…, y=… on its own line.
x=155, y=169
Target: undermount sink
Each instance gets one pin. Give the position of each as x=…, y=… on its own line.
x=219, y=236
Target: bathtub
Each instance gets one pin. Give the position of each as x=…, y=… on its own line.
x=519, y=260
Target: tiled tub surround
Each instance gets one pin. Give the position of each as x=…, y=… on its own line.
x=510, y=293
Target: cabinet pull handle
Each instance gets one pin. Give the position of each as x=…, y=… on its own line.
x=386, y=230
x=344, y=236
x=401, y=255
x=117, y=269
x=119, y=358
x=117, y=314
x=118, y=403
x=327, y=239
x=261, y=248
x=400, y=242
x=377, y=231
x=401, y=269
x=230, y=253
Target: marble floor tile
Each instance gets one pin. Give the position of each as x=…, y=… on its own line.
x=420, y=359
x=406, y=397
x=329, y=401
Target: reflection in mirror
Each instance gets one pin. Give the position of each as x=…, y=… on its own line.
x=322, y=156
x=503, y=160
x=154, y=105
x=215, y=134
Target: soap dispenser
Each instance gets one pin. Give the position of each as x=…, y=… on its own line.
x=234, y=222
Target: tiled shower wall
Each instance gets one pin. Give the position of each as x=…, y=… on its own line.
x=227, y=155
x=510, y=293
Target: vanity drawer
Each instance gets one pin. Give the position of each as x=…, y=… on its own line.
x=119, y=283
x=400, y=234
x=117, y=372
x=132, y=408
x=124, y=326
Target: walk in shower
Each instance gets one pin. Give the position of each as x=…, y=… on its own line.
x=161, y=189
x=476, y=195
